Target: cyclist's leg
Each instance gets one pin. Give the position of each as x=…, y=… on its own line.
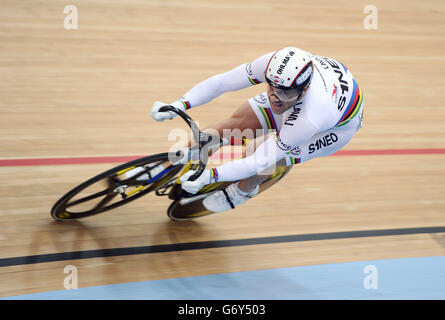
x=257, y=110
x=270, y=122
x=254, y=114
x=251, y=120
x=239, y=192
x=243, y=121
x=248, y=185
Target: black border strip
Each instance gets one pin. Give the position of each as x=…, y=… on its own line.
x=114, y=252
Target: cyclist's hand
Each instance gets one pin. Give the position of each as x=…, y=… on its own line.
x=161, y=116
x=194, y=186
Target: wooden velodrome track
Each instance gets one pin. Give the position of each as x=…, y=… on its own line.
x=88, y=92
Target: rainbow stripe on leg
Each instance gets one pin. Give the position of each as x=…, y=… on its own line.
x=213, y=175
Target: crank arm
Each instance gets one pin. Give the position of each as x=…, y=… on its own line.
x=185, y=201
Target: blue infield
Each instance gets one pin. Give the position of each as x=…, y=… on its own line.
x=405, y=279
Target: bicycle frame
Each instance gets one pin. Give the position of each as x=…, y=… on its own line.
x=204, y=140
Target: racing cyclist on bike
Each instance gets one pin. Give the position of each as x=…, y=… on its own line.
x=313, y=107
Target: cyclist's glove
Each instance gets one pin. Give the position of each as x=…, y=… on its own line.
x=194, y=186
x=161, y=116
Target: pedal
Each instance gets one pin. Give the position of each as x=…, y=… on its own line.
x=188, y=200
x=177, y=192
x=165, y=189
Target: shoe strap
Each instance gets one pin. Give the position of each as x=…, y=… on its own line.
x=228, y=198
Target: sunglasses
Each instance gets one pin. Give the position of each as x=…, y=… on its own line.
x=285, y=95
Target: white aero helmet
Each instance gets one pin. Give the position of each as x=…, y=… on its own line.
x=289, y=71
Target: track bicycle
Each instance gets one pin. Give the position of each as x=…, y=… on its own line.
x=158, y=174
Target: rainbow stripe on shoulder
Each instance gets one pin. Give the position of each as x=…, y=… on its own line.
x=354, y=106
x=269, y=118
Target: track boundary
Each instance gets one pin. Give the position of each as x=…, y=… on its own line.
x=175, y=247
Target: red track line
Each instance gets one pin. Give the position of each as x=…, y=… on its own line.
x=122, y=159
x=58, y=161
x=390, y=152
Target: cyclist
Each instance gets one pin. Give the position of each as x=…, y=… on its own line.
x=313, y=107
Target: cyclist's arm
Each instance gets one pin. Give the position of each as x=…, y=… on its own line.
x=267, y=154
x=241, y=77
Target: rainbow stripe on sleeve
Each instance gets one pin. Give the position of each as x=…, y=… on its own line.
x=186, y=105
x=295, y=160
x=254, y=81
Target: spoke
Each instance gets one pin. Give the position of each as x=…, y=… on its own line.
x=105, y=200
x=90, y=197
x=111, y=185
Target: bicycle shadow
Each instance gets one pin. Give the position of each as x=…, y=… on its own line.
x=77, y=236
x=61, y=236
x=66, y=236
x=53, y=247
x=439, y=238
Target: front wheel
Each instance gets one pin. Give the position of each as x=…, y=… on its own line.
x=116, y=187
